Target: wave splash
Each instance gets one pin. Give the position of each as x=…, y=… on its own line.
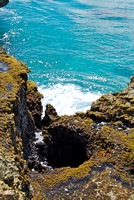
x=67, y=99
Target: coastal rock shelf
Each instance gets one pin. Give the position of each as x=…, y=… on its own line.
x=83, y=156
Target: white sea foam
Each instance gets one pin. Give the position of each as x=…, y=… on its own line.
x=5, y=10
x=20, y=1
x=67, y=99
x=38, y=137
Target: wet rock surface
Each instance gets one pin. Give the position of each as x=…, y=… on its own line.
x=84, y=156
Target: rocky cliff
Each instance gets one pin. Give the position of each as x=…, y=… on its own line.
x=84, y=156
x=3, y=3
x=16, y=128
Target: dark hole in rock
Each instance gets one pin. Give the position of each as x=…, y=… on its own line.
x=66, y=148
x=3, y=67
x=40, y=146
x=132, y=171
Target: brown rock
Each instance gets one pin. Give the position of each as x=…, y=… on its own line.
x=50, y=115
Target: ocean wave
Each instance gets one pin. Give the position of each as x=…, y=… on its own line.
x=10, y=14
x=9, y=11
x=21, y=1
x=67, y=99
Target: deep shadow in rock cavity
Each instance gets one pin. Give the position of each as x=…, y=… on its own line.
x=66, y=148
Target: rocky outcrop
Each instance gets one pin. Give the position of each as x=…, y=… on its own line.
x=3, y=3
x=16, y=129
x=84, y=156
x=50, y=115
x=92, y=153
x=34, y=102
x=117, y=108
x=91, y=159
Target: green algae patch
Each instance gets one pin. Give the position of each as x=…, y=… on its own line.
x=88, y=178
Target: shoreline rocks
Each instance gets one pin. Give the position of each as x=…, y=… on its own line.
x=89, y=155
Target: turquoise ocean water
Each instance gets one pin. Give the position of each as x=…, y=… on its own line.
x=77, y=49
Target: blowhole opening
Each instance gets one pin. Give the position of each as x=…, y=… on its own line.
x=67, y=148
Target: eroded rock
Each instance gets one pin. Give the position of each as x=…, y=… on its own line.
x=50, y=115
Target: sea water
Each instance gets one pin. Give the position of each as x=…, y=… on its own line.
x=77, y=49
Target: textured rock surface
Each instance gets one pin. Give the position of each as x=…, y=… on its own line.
x=106, y=170
x=91, y=154
x=16, y=130
x=3, y=3
x=34, y=102
x=117, y=107
x=50, y=115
